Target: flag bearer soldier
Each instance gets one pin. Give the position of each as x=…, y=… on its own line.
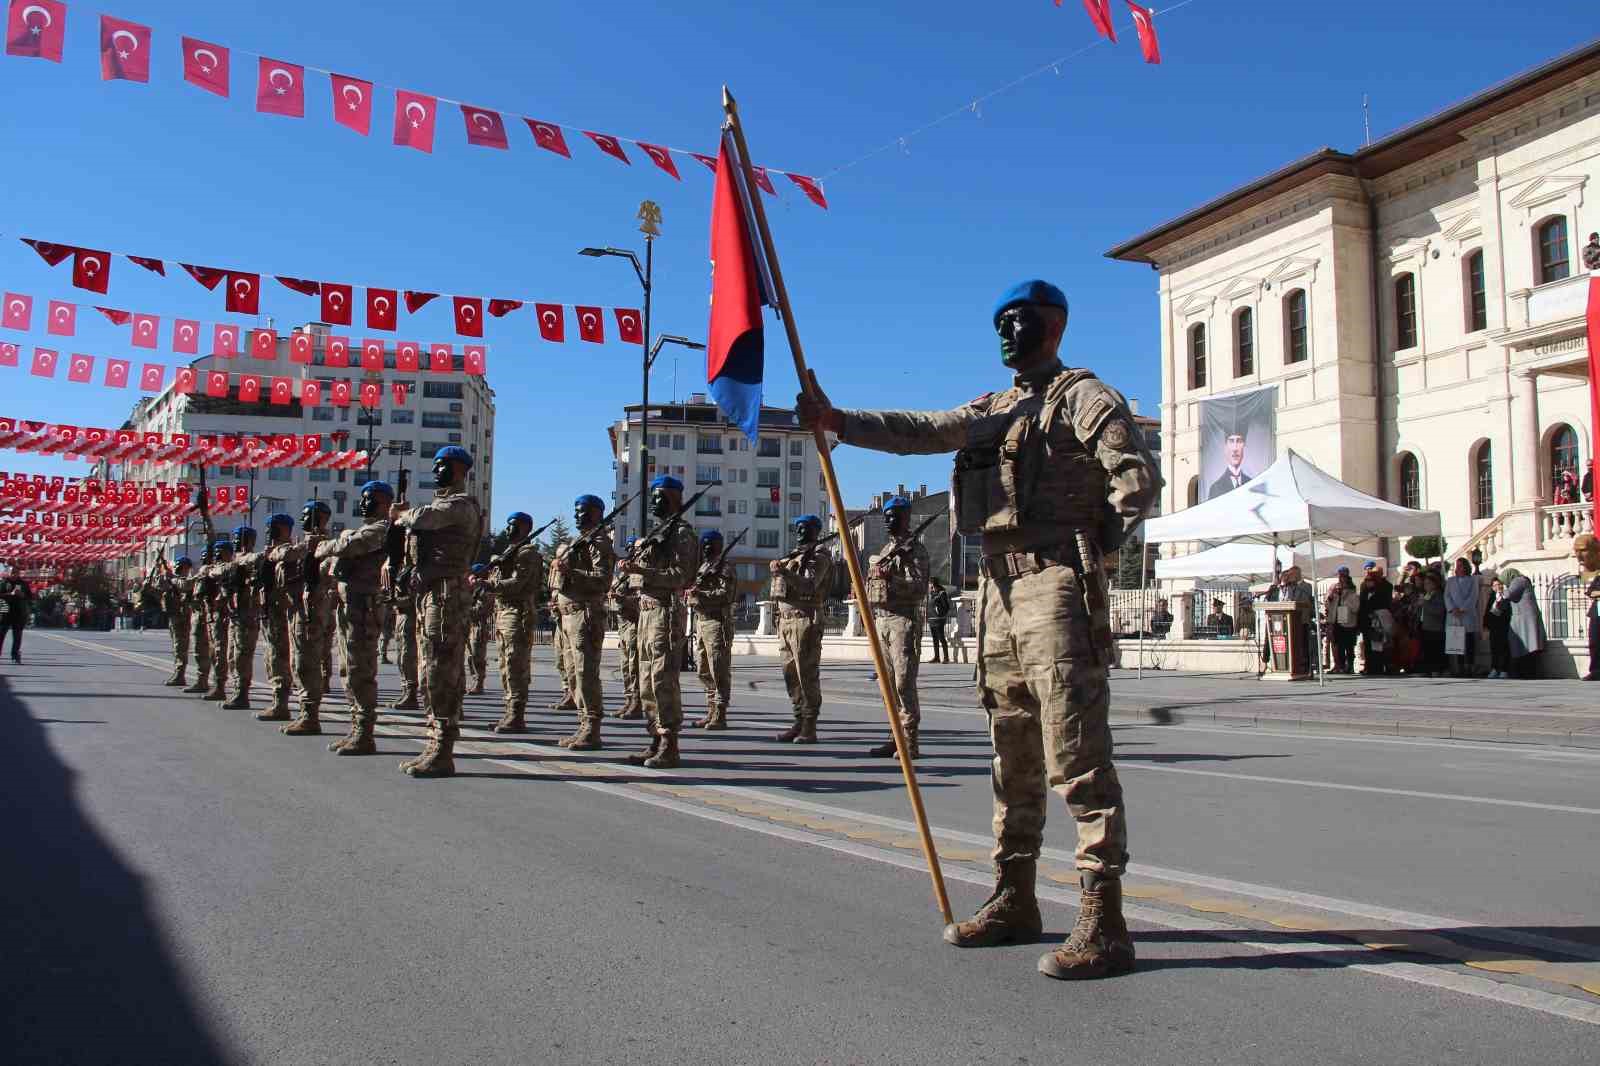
x=712, y=599
x=239, y=586
x=482, y=626
x=515, y=576
x=275, y=616
x=897, y=589
x=625, y=605
x=307, y=591
x=173, y=589
x=580, y=574
x=361, y=553
x=800, y=583
x=1052, y=473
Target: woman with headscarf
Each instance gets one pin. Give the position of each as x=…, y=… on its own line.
x=1527, y=633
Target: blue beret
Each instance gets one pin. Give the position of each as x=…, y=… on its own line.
x=222, y=543
x=1029, y=292
x=243, y=531
x=378, y=486
x=808, y=520
x=280, y=519
x=478, y=568
x=896, y=503
x=667, y=481
x=455, y=453
x=589, y=500
x=184, y=560
x=632, y=541
x=317, y=507
x=710, y=535
x=519, y=516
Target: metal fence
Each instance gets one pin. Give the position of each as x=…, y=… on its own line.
x=1564, y=604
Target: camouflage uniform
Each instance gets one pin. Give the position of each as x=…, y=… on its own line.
x=515, y=582
x=625, y=605
x=388, y=631
x=564, y=671
x=174, y=594
x=1054, y=456
x=218, y=610
x=800, y=584
x=580, y=576
x=291, y=607
x=666, y=567
x=897, y=587
x=330, y=612
x=194, y=597
x=245, y=631
x=360, y=556
x=446, y=532
x=712, y=600
x=478, y=641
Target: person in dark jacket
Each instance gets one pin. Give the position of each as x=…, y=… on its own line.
x=1497, y=620
x=938, y=616
x=1377, y=595
x=19, y=600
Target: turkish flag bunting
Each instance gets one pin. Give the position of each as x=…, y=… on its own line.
x=249, y=388
x=151, y=376
x=397, y=389
x=124, y=50
x=416, y=301
x=311, y=443
x=18, y=311
x=244, y=294
x=812, y=188
x=609, y=145
x=485, y=128
x=114, y=316
x=502, y=308
x=381, y=310
x=50, y=253
x=336, y=301
x=549, y=137
x=352, y=103
x=661, y=157
x=469, y=316
x=341, y=393
x=552, y=322
x=117, y=373
x=628, y=325
x=217, y=383
x=1099, y=14
x=81, y=368
x=282, y=391
x=406, y=355
x=763, y=179
x=1144, y=22
x=300, y=285
x=44, y=362
x=264, y=344
x=225, y=341
x=91, y=270
x=146, y=330
x=205, y=65
x=337, y=351
x=413, y=120
x=301, y=346
x=186, y=337
x=36, y=28
x=440, y=359
x=310, y=393
x=591, y=326
x=371, y=355
x=155, y=266
x=710, y=161
x=207, y=276
x=280, y=88
x=8, y=355
x=371, y=393
x=474, y=358
x=63, y=319
x=183, y=381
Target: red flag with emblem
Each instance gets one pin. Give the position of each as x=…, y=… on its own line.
x=591, y=326
x=17, y=312
x=244, y=293
x=124, y=50
x=52, y=254
x=36, y=29
x=151, y=377
x=502, y=308
x=336, y=301
x=552, y=322
x=310, y=393
x=280, y=88
x=264, y=344
x=474, y=359
x=205, y=65
x=80, y=369
x=469, y=316
x=301, y=348
x=407, y=354
x=609, y=145
x=414, y=116
x=299, y=285
x=217, y=383
x=381, y=309
x=440, y=359
x=371, y=393
x=115, y=316
x=63, y=321
x=210, y=277
x=225, y=340
x=371, y=355
x=397, y=389
x=249, y=388
x=1099, y=14
x=416, y=301
x=8, y=353
x=337, y=351
x=183, y=380
x=146, y=330
x=352, y=103
x=91, y=270
x=1144, y=22
x=341, y=393
x=282, y=391
x=628, y=325
x=186, y=336
x=812, y=188
x=155, y=266
x=661, y=157
x=485, y=128
x=548, y=135
x=117, y=373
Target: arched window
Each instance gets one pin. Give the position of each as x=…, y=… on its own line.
x=1553, y=262
x=1477, y=303
x=1244, y=343
x=1405, y=311
x=1197, y=356
x=1194, y=491
x=1563, y=457
x=1294, y=327
x=1410, y=482
x=1483, y=481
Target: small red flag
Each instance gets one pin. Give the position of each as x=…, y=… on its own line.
x=381, y=310
x=282, y=391
x=763, y=180
x=552, y=322
x=591, y=326
x=151, y=376
x=50, y=253
x=183, y=379
x=710, y=161
x=469, y=316
x=8, y=354
x=416, y=301
x=812, y=188
x=225, y=340
x=352, y=103
x=549, y=137
x=397, y=390
x=280, y=88
x=63, y=320
x=244, y=294
x=502, y=308
x=217, y=383
x=371, y=393
x=336, y=302
x=341, y=393
x=441, y=359
x=299, y=285
x=155, y=266
x=81, y=368
x=628, y=325
x=337, y=351
x=264, y=344
x=186, y=337
x=310, y=393
x=609, y=145
x=36, y=29
x=146, y=330
x=18, y=311
x=205, y=65
x=91, y=270
x=406, y=355
x=413, y=120
x=661, y=157
x=249, y=388
x=301, y=347
x=474, y=358
x=116, y=317
x=485, y=128
x=124, y=50
x=371, y=355
x=44, y=362
x=1144, y=22
x=207, y=276
x=117, y=373
x=1100, y=14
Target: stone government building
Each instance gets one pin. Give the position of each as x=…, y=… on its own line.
x=1419, y=305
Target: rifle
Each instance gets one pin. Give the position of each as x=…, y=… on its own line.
x=727, y=551
x=660, y=533
x=1092, y=582
x=906, y=544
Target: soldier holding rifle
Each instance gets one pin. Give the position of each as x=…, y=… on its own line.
x=800, y=583
x=173, y=589
x=514, y=577
x=580, y=574
x=897, y=587
x=712, y=599
x=304, y=590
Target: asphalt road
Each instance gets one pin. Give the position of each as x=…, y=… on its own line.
x=186, y=885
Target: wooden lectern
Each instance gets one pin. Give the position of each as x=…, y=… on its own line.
x=1288, y=657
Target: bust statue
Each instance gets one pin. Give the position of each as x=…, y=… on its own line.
x=1591, y=253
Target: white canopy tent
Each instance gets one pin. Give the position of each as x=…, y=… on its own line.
x=1252, y=563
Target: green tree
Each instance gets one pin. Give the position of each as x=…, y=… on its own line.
x=558, y=534
x=1425, y=548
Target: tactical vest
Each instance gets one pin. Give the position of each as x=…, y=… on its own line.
x=448, y=552
x=360, y=573
x=576, y=586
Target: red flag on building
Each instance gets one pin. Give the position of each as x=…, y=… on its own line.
x=91, y=270
x=371, y=355
x=548, y=136
x=36, y=29
x=591, y=326
x=310, y=393
x=63, y=321
x=628, y=325
x=146, y=330
x=183, y=379
x=397, y=389
x=151, y=377
x=264, y=344
x=352, y=103
x=552, y=322
x=1099, y=14
x=485, y=128
x=225, y=340
x=336, y=352
x=469, y=316
x=81, y=368
x=18, y=311
x=217, y=383
x=381, y=309
x=244, y=294
x=249, y=388
x=371, y=393
x=441, y=360
x=661, y=157
x=282, y=391
x=280, y=88
x=336, y=303
x=609, y=145
x=341, y=393
x=186, y=336
x=406, y=355
x=124, y=50
x=205, y=65
x=502, y=308
x=474, y=358
x=414, y=116
x=117, y=373
x=1144, y=22
x=301, y=348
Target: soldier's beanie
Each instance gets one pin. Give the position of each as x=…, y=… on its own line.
x=455, y=453
x=589, y=500
x=897, y=503
x=711, y=535
x=1033, y=291
x=667, y=481
x=184, y=560
x=478, y=568
x=519, y=516
x=280, y=519
x=378, y=486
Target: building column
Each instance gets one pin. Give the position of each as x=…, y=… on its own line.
x=1525, y=437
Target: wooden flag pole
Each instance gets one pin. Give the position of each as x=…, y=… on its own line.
x=852, y=561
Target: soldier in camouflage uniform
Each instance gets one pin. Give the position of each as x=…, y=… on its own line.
x=306, y=592
x=711, y=596
x=446, y=532
x=274, y=617
x=660, y=567
x=580, y=575
x=897, y=588
x=173, y=588
x=332, y=617
x=388, y=631
x=563, y=649
x=800, y=583
x=361, y=553
x=217, y=595
x=239, y=585
x=482, y=626
x=1049, y=471
x=405, y=629
x=200, y=624
x=625, y=605
x=515, y=577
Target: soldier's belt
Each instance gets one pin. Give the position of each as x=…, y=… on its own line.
x=572, y=606
x=1021, y=564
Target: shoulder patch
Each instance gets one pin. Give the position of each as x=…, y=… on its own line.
x=1116, y=433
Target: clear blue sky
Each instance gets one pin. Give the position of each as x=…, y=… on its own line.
x=892, y=286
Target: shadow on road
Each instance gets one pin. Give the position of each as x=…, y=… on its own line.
x=1317, y=956
x=88, y=977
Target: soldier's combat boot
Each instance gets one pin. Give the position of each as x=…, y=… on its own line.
x=1009, y=916
x=407, y=701
x=512, y=721
x=278, y=712
x=309, y=724
x=240, y=701
x=806, y=731
x=198, y=688
x=716, y=718
x=438, y=760
x=359, y=741
x=887, y=751
x=587, y=738
x=176, y=680
x=1099, y=944
x=640, y=758
x=566, y=703
x=788, y=735
x=666, y=756
x=631, y=710
x=215, y=694
x=476, y=689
